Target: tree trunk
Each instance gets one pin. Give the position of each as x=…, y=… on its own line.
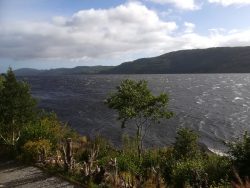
x=139, y=141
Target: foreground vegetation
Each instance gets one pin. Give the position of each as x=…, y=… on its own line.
x=36, y=137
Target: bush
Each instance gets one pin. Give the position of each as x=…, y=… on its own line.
x=167, y=162
x=128, y=163
x=150, y=159
x=47, y=127
x=218, y=168
x=186, y=165
x=127, y=159
x=188, y=172
x=240, y=155
x=103, y=145
x=186, y=144
x=36, y=150
x=79, y=148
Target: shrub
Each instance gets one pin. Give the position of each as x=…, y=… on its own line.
x=218, y=168
x=240, y=155
x=186, y=144
x=103, y=145
x=128, y=163
x=150, y=159
x=80, y=147
x=188, y=172
x=167, y=162
x=47, y=127
x=36, y=150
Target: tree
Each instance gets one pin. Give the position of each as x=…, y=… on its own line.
x=17, y=108
x=186, y=144
x=134, y=102
x=1, y=81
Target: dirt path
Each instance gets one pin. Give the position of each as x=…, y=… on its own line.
x=15, y=175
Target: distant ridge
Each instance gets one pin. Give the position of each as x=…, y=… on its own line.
x=211, y=60
x=28, y=72
x=62, y=71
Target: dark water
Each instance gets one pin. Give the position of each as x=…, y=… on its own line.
x=217, y=106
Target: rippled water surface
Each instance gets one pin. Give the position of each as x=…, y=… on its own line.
x=215, y=105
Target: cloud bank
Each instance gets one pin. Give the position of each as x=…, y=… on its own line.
x=121, y=33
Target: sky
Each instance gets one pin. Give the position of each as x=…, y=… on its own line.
x=45, y=34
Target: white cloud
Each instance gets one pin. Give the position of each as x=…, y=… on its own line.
x=181, y=4
x=117, y=34
x=189, y=27
x=217, y=38
x=230, y=2
x=92, y=33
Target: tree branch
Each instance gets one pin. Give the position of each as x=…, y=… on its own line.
x=6, y=141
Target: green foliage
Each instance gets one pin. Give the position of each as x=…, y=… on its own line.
x=187, y=172
x=240, y=154
x=1, y=82
x=105, y=149
x=185, y=166
x=129, y=145
x=17, y=108
x=32, y=150
x=218, y=168
x=134, y=100
x=129, y=163
x=186, y=145
x=151, y=158
x=167, y=162
x=103, y=146
x=91, y=184
x=46, y=127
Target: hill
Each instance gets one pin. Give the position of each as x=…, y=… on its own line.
x=62, y=71
x=28, y=72
x=211, y=60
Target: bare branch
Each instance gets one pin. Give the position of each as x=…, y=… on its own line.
x=5, y=140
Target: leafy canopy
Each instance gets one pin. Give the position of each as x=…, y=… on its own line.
x=134, y=100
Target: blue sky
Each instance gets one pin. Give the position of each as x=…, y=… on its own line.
x=47, y=34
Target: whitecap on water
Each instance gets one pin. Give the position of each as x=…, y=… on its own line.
x=199, y=100
x=218, y=152
x=239, y=85
x=215, y=87
x=237, y=98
